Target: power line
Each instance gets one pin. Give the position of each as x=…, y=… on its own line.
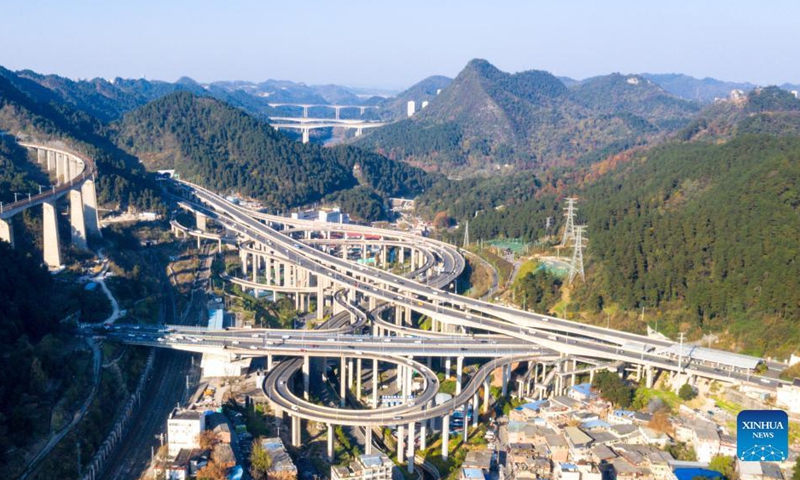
x=466, y=235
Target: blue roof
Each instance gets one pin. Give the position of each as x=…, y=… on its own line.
x=236, y=473
x=595, y=424
x=216, y=318
x=584, y=389
x=472, y=473
x=623, y=413
x=90, y=286
x=690, y=473
x=535, y=406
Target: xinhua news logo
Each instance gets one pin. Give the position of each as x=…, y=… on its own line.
x=762, y=435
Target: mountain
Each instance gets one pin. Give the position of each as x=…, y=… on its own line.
x=106, y=100
x=702, y=230
x=223, y=148
x=486, y=120
x=394, y=108
x=705, y=90
x=771, y=110
x=29, y=110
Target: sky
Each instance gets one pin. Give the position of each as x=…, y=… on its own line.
x=393, y=44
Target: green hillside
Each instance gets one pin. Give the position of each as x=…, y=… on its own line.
x=224, y=148
x=487, y=120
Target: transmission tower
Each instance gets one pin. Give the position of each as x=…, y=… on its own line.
x=569, y=225
x=576, y=266
x=466, y=235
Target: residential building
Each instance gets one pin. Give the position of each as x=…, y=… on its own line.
x=758, y=470
x=566, y=471
x=375, y=466
x=789, y=396
x=582, y=392
x=282, y=466
x=705, y=440
x=481, y=459
x=183, y=430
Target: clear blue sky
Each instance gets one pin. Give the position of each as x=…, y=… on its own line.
x=394, y=44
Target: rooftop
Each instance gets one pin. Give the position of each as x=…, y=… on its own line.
x=472, y=473
x=710, y=355
x=690, y=473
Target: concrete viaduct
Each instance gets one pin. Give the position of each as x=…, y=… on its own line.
x=75, y=176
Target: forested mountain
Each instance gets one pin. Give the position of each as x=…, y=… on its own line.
x=28, y=109
x=224, y=148
x=769, y=110
x=704, y=90
x=486, y=118
x=704, y=232
x=394, y=108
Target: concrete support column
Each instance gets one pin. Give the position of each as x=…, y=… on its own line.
x=505, y=379
x=411, y=442
x=77, y=226
x=202, y=224
x=269, y=362
x=350, y=373
x=459, y=373
x=342, y=384
x=90, y=214
x=296, y=433
x=306, y=376
x=330, y=442
x=466, y=422
x=485, y=396
x=650, y=377
x=445, y=436
x=423, y=435
x=401, y=447
x=375, y=383
x=60, y=173
x=306, y=135
x=474, y=409
x=7, y=231
x=368, y=440
x=447, y=368
x=52, y=245
x=358, y=379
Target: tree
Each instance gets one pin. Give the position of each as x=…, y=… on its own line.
x=686, y=392
x=260, y=461
x=725, y=465
x=660, y=422
x=207, y=439
x=212, y=471
x=613, y=389
x=796, y=472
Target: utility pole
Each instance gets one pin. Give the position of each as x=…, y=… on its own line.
x=569, y=225
x=680, y=357
x=576, y=265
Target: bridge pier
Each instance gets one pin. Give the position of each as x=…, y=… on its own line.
x=375, y=382
x=368, y=440
x=358, y=379
x=296, y=432
x=77, y=225
x=306, y=376
x=401, y=447
x=475, y=409
x=459, y=373
x=505, y=376
x=485, y=396
x=411, y=441
x=445, y=436
x=7, y=230
x=649, y=373
x=447, y=364
x=306, y=135
x=330, y=442
x=52, y=245
x=90, y=215
x=342, y=384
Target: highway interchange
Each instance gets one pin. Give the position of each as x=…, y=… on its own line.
x=364, y=295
